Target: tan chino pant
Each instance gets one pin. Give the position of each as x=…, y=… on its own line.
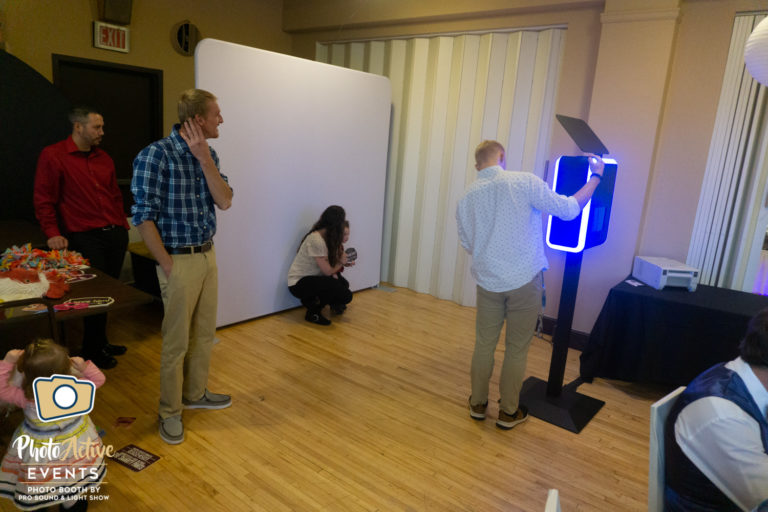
x=190, y=298
x=520, y=309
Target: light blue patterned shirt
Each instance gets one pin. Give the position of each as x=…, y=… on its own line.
x=500, y=225
x=169, y=188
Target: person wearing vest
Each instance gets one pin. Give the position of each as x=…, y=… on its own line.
x=716, y=435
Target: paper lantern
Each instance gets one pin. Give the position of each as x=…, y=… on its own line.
x=756, y=52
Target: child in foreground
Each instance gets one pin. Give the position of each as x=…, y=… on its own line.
x=34, y=474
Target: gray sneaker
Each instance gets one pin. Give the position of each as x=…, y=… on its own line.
x=172, y=430
x=209, y=401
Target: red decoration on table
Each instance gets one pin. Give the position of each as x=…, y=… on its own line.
x=30, y=273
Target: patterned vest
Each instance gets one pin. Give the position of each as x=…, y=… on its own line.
x=687, y=488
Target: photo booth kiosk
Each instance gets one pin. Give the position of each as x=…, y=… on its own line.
x=550, y=401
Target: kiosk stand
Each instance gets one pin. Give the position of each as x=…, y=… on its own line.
x=550, y=401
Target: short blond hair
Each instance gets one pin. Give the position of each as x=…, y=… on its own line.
x=194, y=102
x=486, y=149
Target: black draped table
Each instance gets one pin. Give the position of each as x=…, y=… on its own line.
x=666, y=336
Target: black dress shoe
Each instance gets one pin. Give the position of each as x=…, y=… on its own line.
x=115, y=350
x=316, y=318
x=103, y=360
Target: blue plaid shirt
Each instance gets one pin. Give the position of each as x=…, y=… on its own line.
x=169, y=188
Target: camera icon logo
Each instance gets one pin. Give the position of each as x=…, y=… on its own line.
x=62, y=396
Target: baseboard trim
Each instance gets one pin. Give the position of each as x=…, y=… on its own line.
x=578, y=339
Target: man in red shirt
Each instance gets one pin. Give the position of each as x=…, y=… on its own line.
x=80, y=207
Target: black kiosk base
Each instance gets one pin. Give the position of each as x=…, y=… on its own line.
x=571, y=410
x=549, y=400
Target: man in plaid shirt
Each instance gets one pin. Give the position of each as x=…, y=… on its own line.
x=176, y=183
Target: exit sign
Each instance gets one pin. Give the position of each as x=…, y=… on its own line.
x=110, y=37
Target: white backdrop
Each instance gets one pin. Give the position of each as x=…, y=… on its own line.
x=297, y=136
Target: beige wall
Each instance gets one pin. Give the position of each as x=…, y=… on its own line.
x=313, y=15
x=672, y=109
x=630, y=80
x=686, y=128
x=576, y=75
x=672, y=164
x=35, y=29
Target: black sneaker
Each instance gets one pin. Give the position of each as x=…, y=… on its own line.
x=316, y=318
x=115, y=350
x=338, y=308
x=507, y=421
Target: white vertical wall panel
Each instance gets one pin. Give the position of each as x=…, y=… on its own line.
x=701, y=253
x=549, y=63
x=462, y=165
x=356, y=56
x=448, y=94
x=526, y=63
x=455, y=162
x=495, y=82
x=376, y=54
x=728, y=207
x=339, y=55
x=411, y=149
x=394, y=68
x=298, y=136
x=431, y=214
x=508, y=91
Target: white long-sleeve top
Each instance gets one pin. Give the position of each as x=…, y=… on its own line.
x=724, y=442
x=500, y=225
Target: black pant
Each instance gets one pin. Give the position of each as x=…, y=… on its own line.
x=317, y=291
x=343, y=281
x=106, y=251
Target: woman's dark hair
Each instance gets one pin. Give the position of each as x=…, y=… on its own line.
x=332, y=221
x=754, y=347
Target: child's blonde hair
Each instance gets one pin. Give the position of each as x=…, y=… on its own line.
x=42, y=358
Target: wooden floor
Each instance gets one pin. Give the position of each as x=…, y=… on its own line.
x=367, y=414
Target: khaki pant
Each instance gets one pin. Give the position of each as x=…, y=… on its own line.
x=520, y=309
x=190, y=297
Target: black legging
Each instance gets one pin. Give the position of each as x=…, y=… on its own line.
x=317, y=291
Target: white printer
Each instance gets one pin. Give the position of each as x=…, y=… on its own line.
x=661, y=272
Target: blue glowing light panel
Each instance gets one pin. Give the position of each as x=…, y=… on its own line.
x=590, y=227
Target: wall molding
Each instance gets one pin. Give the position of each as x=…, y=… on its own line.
x=635, y=16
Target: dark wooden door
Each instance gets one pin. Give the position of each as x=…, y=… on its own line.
x=130, y=99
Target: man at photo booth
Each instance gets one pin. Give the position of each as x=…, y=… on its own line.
x=499, y=221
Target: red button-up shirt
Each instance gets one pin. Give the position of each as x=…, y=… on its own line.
x=76, y=191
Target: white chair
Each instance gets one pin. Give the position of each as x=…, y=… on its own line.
x=553, y=501
x=659, y=412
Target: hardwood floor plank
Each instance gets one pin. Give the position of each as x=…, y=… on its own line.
x=368, y=414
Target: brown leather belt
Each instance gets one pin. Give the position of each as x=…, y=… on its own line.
x=192, y=249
